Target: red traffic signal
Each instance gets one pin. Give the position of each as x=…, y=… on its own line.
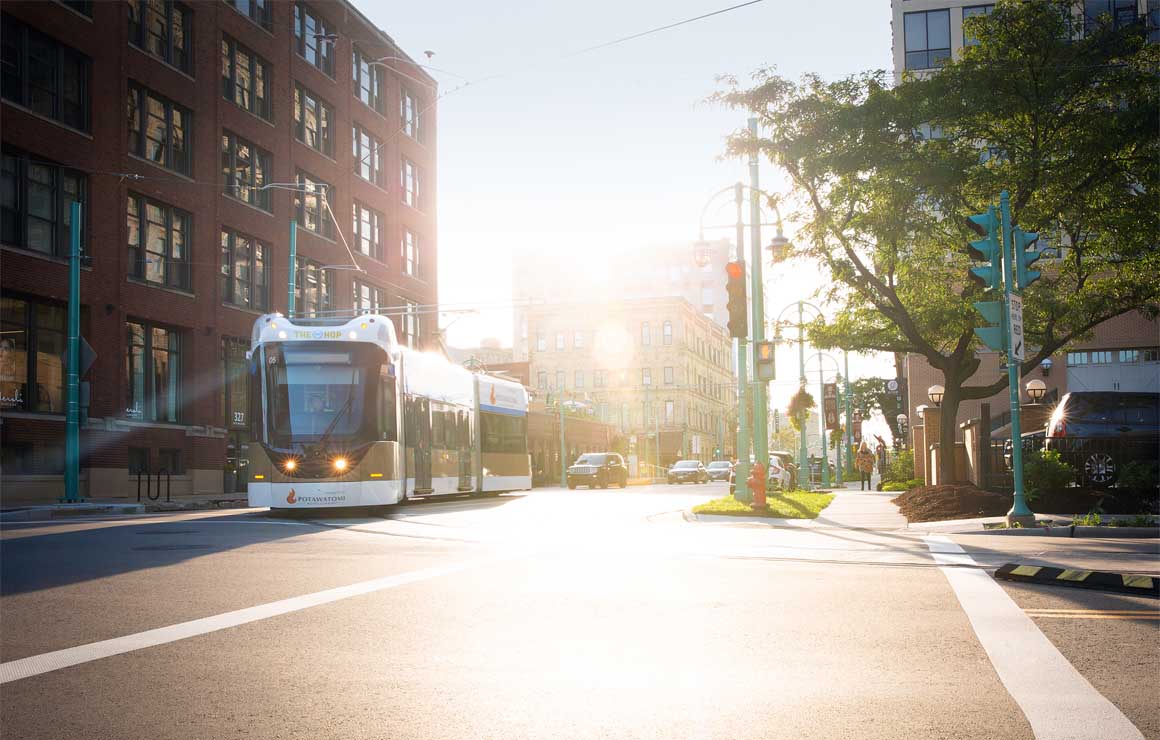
x=738, y=305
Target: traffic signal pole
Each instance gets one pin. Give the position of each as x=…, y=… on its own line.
x=1020, y=513
x=741, y=472
x=72, y=429
x=757, y=326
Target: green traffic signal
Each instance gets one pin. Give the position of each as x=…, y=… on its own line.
x=1025, y=256
x=988, y=250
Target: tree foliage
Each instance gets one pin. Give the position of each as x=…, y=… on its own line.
x=884, y=177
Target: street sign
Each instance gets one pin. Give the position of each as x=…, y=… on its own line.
x=1015, y=309
x=830, y=404
x=892, y=385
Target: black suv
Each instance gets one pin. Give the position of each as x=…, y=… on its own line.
x=598, y=470
x=1099, y=431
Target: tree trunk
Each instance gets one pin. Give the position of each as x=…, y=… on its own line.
x=948, y=427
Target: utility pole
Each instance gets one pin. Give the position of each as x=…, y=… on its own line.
x=760, y=404
x=741, y=477
x=291, y=283
x=72, y=431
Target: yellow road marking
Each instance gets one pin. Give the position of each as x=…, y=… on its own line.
x=1138, y=581
x=1026, y=570
x=1093, y=614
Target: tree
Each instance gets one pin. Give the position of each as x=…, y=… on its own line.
x=885, y=177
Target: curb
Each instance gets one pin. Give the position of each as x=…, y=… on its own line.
x=1125, y=583
x=68, y=511
x=1073, y=531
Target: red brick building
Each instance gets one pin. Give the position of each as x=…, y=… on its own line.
x=194, y=135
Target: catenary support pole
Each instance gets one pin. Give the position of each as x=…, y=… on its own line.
x=1019, y=512
x=849, y=417
x=563, y=451
x=841, y=440
x=822, y=422
x=803, y=450
x=760, y=388
x=290, y=285
x=72, y=431
x=741, y=475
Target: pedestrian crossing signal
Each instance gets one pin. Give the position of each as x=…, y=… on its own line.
x=764, y=361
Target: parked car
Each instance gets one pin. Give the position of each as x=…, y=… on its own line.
x=598, y=470
x=1032, y=442
x=720, y=470
x=1099, y=431
x=787, y=461
x=688, y=471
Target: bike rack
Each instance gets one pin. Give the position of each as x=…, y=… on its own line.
x=149, y=492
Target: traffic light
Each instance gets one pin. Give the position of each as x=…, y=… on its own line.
x=1025, y=256
x=989, y=275
x=763, y=357
x=738, y=306
x=988, y=250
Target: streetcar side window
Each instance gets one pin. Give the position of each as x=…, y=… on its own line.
x=503, y=433
x=388, y=414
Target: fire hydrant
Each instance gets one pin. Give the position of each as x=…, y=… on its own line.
x=757, y=486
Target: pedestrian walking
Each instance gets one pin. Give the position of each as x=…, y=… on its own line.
x=864, y=461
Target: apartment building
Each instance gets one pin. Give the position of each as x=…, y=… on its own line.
x=1123, y=354
x=196, y=137
x=649, y=367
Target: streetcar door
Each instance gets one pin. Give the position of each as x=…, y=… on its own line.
x=423, y=445
x=463, y=445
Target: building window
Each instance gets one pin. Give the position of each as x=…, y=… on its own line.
x=368, y=230
x=541, y=342
x=42, y=75
x=313, y=121
x=35, y=204
x=314, y=39
x=646, y=376
x=244, y=281
x=170, y=461
x=410, y=323
x=367, y=77
x=158, y=241
x=311, y=288
x=410, y=253
x=410, y=180
x=669, y=411
x=368, y=160
x=411, y=115
x=368, y=298
x=152, y=373
x=560, y=383
x=245, y=169
x=645, y=336
x=311, y=205
x=84, y=7
x=162, y=28
x=559, y=341
x=1152, y=355
x=578, y=340
x=667, y=333
x=1118, y=13
x=578, y=381
x=236, y=385
x=1077, y=358
x=971, y=12
x=599, y=378
x=542, y=380
x=668, y=376
x=928, y=38
x=1129, y=355
x=159, y=129
x=32, y=346
x=256, y=10
x=245, y=77
x=1101, y=357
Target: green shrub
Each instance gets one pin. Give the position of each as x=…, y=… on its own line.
x=1138, y=477
x=896, y=485
x=1044, y=471
x=899, y=468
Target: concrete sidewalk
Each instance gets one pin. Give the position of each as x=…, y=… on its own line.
x=854, y=509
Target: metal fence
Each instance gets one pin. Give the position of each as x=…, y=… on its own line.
x=1097, y=461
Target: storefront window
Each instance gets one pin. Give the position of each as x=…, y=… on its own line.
x=32, y=347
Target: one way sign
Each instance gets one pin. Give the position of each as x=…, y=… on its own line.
x=1015, y=316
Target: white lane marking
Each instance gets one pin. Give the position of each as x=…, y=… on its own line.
x=37, y=664
x=1057, y=700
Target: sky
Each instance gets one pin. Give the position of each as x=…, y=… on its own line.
x=613, y=149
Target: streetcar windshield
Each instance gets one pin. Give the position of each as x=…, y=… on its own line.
x=325, y=392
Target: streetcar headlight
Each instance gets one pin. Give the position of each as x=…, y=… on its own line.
x=340, y=463
x=290, y=465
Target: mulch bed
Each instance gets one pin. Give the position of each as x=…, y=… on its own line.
x=965, y=501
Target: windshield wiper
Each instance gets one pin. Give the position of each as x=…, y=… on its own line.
x=346, y=405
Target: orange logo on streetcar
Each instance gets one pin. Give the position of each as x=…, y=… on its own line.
x=291, y=498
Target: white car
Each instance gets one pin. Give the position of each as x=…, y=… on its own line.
x=778, y=477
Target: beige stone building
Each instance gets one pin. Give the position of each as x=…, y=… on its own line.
x=650, y=367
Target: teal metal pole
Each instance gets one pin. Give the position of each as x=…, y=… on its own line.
x=849, y=418
x=741, y=474
x=822, y=422
x=563, y=451
x=1019, y=512
x=760, y=389
x=292, y=283
x=841, y=441
x=803, y=450
x=72, y=428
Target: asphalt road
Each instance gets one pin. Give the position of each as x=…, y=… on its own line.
x=561, y=614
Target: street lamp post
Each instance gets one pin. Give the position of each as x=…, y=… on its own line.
x=822, y=414
x=803, y=448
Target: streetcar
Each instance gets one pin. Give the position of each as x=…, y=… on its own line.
x=344, y=416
